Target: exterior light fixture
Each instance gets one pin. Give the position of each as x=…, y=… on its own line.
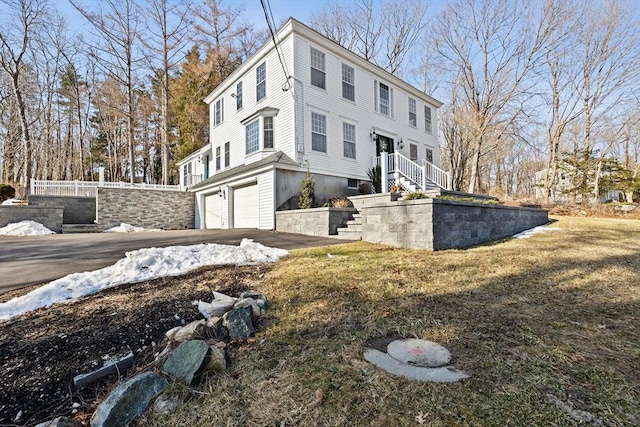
x=373, y=134
x=400, y=144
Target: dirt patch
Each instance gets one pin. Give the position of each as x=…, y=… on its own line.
x=41, y=352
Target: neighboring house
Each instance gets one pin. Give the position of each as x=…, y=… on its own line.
x=309, y=103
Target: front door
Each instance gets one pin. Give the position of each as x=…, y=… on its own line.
x=380, y=140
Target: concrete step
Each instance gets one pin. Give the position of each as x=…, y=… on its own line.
x=354, y=222
x=352, y=227
x=81, y=228
x=347, y=234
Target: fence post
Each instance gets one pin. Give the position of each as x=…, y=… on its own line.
x=424, y=177
x=384, y=182
x=33, y=187
x=101, y=176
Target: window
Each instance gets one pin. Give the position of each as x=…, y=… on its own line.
x=261, y=81
x=252, y=142
x=429, y=155
x=413, y=152
x=317, y=69
x=226, y=154
x=413, y=120
x=348, y=83
x=383, y=98
x=318, y=132
x=349, y=140
x=352, y=183
x=427, y=118
x=267, y=125
x=239, y=96
x=217, y=158
x=206, y=167
x=219, y=112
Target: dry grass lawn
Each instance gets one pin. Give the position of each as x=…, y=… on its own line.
x=548, y=327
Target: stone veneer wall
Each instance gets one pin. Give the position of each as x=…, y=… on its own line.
x=169, y=210
x=442, y=224
x=77, y=210
x=50, y=217
x=313, y=222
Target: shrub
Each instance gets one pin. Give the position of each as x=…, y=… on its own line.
x=375, y=175
x=415, y=195
x=308, y=192
x=340, y=202
x=6, y=192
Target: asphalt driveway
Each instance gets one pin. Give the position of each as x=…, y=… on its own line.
x=28, y=261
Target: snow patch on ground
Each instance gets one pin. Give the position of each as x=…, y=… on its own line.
x=11, y=202
x=25, y=228
x=138, y=266
x=126, y=228
x=530, y=232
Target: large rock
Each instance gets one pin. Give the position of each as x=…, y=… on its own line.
x=239, y=322
x=217, y=361
x=218, y=307
x=251, y=303
x=190, y=331
x=187, y=361
x=129, y=400
x=216, y=329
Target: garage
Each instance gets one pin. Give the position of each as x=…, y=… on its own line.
x=245, y=206
x=213, y=209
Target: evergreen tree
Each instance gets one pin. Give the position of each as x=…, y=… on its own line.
x=307, y=194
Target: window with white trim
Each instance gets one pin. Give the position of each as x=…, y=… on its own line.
x=217, y=158
x=413, y=116
x=429, y=155
x=348, y=83
x=261, y=81
x=318, y=76
x=413, y=152
x=427, y=118
x=267, y=130
x=219, y=112
x=318, y=132
x=252, y=137
x=239, y=96
x=349, y=140
x=383, y=98
x=227, y=154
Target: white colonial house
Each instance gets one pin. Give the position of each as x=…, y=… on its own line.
x=310, y=103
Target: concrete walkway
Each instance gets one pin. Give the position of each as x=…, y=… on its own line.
x=28, y=261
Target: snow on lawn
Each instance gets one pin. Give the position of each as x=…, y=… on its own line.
x=138, y=266
x=126, y=228
x=25, y=228
x=530, y=232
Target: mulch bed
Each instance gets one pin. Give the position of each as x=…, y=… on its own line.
x=41, y=352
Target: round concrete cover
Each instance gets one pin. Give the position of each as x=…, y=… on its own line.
x=419, y=352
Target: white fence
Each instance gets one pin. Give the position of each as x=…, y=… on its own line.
x=87, y=188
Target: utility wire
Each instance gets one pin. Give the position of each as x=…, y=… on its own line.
x=270, y=24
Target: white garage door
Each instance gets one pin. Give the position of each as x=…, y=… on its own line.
x=245, y=207
x=212, y=208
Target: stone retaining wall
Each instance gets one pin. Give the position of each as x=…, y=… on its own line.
x=77, y=210
x=50, y=217
x=442, y=224
x=168, y=210
x=313, y=222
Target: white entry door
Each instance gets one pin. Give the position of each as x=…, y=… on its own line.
x=212, y=209
x=245, y=207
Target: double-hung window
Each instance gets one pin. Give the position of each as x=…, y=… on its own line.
x=318, y=132
x=318, y=76
x=252, y=137
x=383, y=98
x=348, y=83
x=267, y=130
x=227, y=154
x=239, y=96
x=413, y=152
x=219, y=112
x=261, y=81
x=217, y=158
x=427, y=118
x=349, y=140
x=429, y=155
x=413, y=117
